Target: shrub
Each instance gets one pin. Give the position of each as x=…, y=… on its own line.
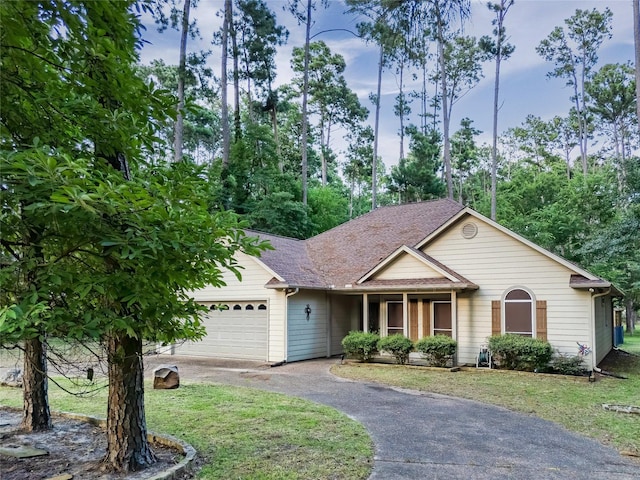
x=397, y=345
x=437, y=349
x=514, y=352
x=567, y=365
x=360, y=345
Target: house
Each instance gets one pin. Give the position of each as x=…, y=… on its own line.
x=417, y=269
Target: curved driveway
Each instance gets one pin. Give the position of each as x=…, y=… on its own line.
x=420, y=435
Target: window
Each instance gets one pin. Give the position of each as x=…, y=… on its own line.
x=395, y=318
x=237, y=307
x=518, y=313
x=249, y=307
x=262, y=306
x=442, y=318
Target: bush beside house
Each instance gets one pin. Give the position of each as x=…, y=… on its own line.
x=360, y=345
x=437, y=350
x=397, y=345
x=514, y=352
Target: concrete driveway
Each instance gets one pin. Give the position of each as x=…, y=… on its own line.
x=421, y=435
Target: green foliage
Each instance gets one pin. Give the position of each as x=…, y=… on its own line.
x=567, y=365
x=281, y=214
x=437, y=349
x=105, y=254
x=397, y=345
x=328, y=208
x=515, y=352
x=416, y=178
x=361, y=345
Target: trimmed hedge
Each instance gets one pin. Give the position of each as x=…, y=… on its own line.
x=360, y=345
x=437, y=349
x=514, y=352
x=397, y=345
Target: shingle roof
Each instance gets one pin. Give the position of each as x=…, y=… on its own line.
x=345, y=253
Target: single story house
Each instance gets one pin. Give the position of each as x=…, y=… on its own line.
x=418, y=269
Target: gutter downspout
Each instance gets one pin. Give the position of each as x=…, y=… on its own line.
x=593, y=327
x=289, y=293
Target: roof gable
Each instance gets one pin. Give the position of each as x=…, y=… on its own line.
x=407, y=263
x=469, y=212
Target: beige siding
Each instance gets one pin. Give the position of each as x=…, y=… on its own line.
x=407, y=266
x=307, y=338
x=251, y=287
x=497, y=262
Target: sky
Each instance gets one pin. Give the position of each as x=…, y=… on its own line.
x=524, y=86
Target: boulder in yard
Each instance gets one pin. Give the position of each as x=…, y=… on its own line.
x=166, y=377
x=13, y=378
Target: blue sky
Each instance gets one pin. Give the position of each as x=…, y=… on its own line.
x=525, y=88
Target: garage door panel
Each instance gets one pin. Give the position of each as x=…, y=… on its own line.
x=232, y=333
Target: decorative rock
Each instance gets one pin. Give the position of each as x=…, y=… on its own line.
x=64, y=476
x=22, y=451
x=13, y=378
x=166, y=377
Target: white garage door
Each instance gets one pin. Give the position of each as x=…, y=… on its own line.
x=237, y=331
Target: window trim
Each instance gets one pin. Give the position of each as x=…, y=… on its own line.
x=503, y=309
x=433, y=317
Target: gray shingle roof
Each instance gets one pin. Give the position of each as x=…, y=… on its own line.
x=345, y=253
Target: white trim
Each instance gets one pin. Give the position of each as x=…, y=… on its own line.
x=506, y=231
x=433, y=316
x=396, y=254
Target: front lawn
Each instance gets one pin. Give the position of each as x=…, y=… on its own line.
x=570, y=401
x=243, y=433
x=632, y=342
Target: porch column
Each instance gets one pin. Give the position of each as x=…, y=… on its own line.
x=405, y=315
x=365, y=312
x=454, y=322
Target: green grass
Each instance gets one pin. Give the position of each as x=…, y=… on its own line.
x=569, y=401
x=632, y=343
x=244, y=433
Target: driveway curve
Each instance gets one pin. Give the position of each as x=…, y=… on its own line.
x=420, y=435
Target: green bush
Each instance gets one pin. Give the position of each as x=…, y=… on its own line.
x=397, y=345
x=514, y=352
x=567, y=365
x=360, y=345
x=437, y=349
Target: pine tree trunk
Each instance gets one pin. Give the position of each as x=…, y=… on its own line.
x=36, y=414
x=182, y=73
x=224, y=108
x=631, y=316
x=128, y=448
x=305, y=93
x=636, y=41
x=374, y=163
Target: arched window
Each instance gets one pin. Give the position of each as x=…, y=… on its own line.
x=237, y=307
x=249, y=307
x=262, y=306
x=519, y=313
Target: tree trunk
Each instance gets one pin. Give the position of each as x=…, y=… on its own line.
x=446, y=154
x=636, y=39
x=631, y=316
x=128, y=448
x=236, y=80
x=401, y=110
x=494, y=146
x=305, y=93
x=374, y=163
x=36, y=414
x=182, y=73
x=224, y=108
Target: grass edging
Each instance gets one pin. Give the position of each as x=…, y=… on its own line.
x=184, y=466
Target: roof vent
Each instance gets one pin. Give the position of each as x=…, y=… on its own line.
x=469, y=230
